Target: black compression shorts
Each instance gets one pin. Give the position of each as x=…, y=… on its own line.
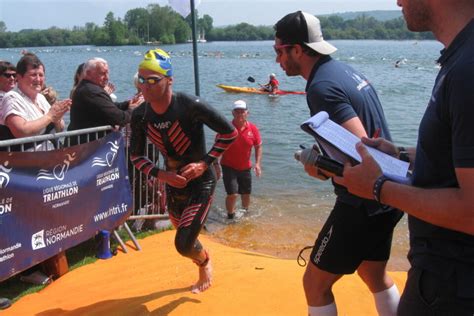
x=350, y=236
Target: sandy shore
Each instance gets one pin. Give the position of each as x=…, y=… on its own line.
x=156, y=281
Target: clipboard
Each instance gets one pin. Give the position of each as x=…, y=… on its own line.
x=339, y=144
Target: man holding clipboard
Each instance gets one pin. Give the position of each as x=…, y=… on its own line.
x=358, y=233
x=440, y=200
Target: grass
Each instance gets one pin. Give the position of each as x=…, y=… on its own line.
x=77, y=257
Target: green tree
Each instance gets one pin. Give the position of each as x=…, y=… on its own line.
x=137, y=21
x=3, y=27
x=205, y=24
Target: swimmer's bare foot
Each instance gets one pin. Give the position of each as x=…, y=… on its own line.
x=205, y=279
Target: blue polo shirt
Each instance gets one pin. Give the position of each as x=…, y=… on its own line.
x=344, y=93
x=446, y=142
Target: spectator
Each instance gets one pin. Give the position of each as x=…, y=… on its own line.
x=7, y=78
x=50, y=94
x=92, y=106
x=26, y=111
x=235, y=161
x=77, y=78
x=7, y=83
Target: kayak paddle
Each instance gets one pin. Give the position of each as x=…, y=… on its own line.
x=252, y=79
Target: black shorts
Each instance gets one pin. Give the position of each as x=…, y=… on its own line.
x=236, y=181
x=426, y=293
x=350, y=236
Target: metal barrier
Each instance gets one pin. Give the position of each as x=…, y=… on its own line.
x=149, y=197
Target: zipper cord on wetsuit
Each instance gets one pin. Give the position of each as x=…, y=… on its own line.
x=300, y=257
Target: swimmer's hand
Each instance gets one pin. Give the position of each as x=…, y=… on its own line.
x=173, y=179
x=193, y=170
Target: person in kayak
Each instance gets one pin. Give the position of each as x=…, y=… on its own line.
x=272, y=85
x=174, y=123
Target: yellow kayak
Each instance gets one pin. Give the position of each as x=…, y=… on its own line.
x=235, y=89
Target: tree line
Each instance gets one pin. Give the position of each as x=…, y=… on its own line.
x=160, y=24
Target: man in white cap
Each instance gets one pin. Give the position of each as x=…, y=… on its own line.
x=236, y=163
x=358, y=233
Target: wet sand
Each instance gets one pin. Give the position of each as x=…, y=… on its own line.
x=282, y=225
x=157, y=281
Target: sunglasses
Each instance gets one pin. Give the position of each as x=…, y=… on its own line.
x=150, y=80
x=9, y=75
x=278, y=48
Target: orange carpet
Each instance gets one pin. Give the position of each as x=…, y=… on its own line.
x=156, y=281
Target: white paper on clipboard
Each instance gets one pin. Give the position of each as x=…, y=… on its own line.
x=345, y=141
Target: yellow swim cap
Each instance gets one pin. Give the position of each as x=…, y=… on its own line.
x=157, y=60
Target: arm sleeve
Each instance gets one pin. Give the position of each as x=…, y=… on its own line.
x=138, y=143
x=330, y=97
x=122, y=105
x=111, y=114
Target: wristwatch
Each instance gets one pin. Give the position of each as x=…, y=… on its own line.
x=378, y=187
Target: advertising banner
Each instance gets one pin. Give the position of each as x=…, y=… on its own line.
x=53, y=200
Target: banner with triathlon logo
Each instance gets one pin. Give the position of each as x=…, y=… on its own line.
x=53, y=200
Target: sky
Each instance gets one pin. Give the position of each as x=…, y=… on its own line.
x=42, y=14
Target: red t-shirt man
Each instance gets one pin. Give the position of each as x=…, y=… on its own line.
x=238, y=154
x=236, y=163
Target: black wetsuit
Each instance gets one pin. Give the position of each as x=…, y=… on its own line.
x=179, y=135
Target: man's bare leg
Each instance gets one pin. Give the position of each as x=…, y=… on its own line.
x=205, y=274
x=230, y=205
x=245, y=198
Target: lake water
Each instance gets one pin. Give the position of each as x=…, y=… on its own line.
x=288, y=207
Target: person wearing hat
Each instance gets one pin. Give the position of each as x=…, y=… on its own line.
x=174, y=123
x=358, y=233
x=236, y=163
x=272, y=85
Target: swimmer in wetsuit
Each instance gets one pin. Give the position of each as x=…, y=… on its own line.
x=174, y=122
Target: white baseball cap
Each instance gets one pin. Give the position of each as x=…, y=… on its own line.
x=302, y=27
x=240, y=104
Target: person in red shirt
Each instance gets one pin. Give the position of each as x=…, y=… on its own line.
x=235, y=162
x=272, y=85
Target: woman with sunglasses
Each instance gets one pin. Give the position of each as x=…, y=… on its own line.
x=7, y=78
x=174, y=123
